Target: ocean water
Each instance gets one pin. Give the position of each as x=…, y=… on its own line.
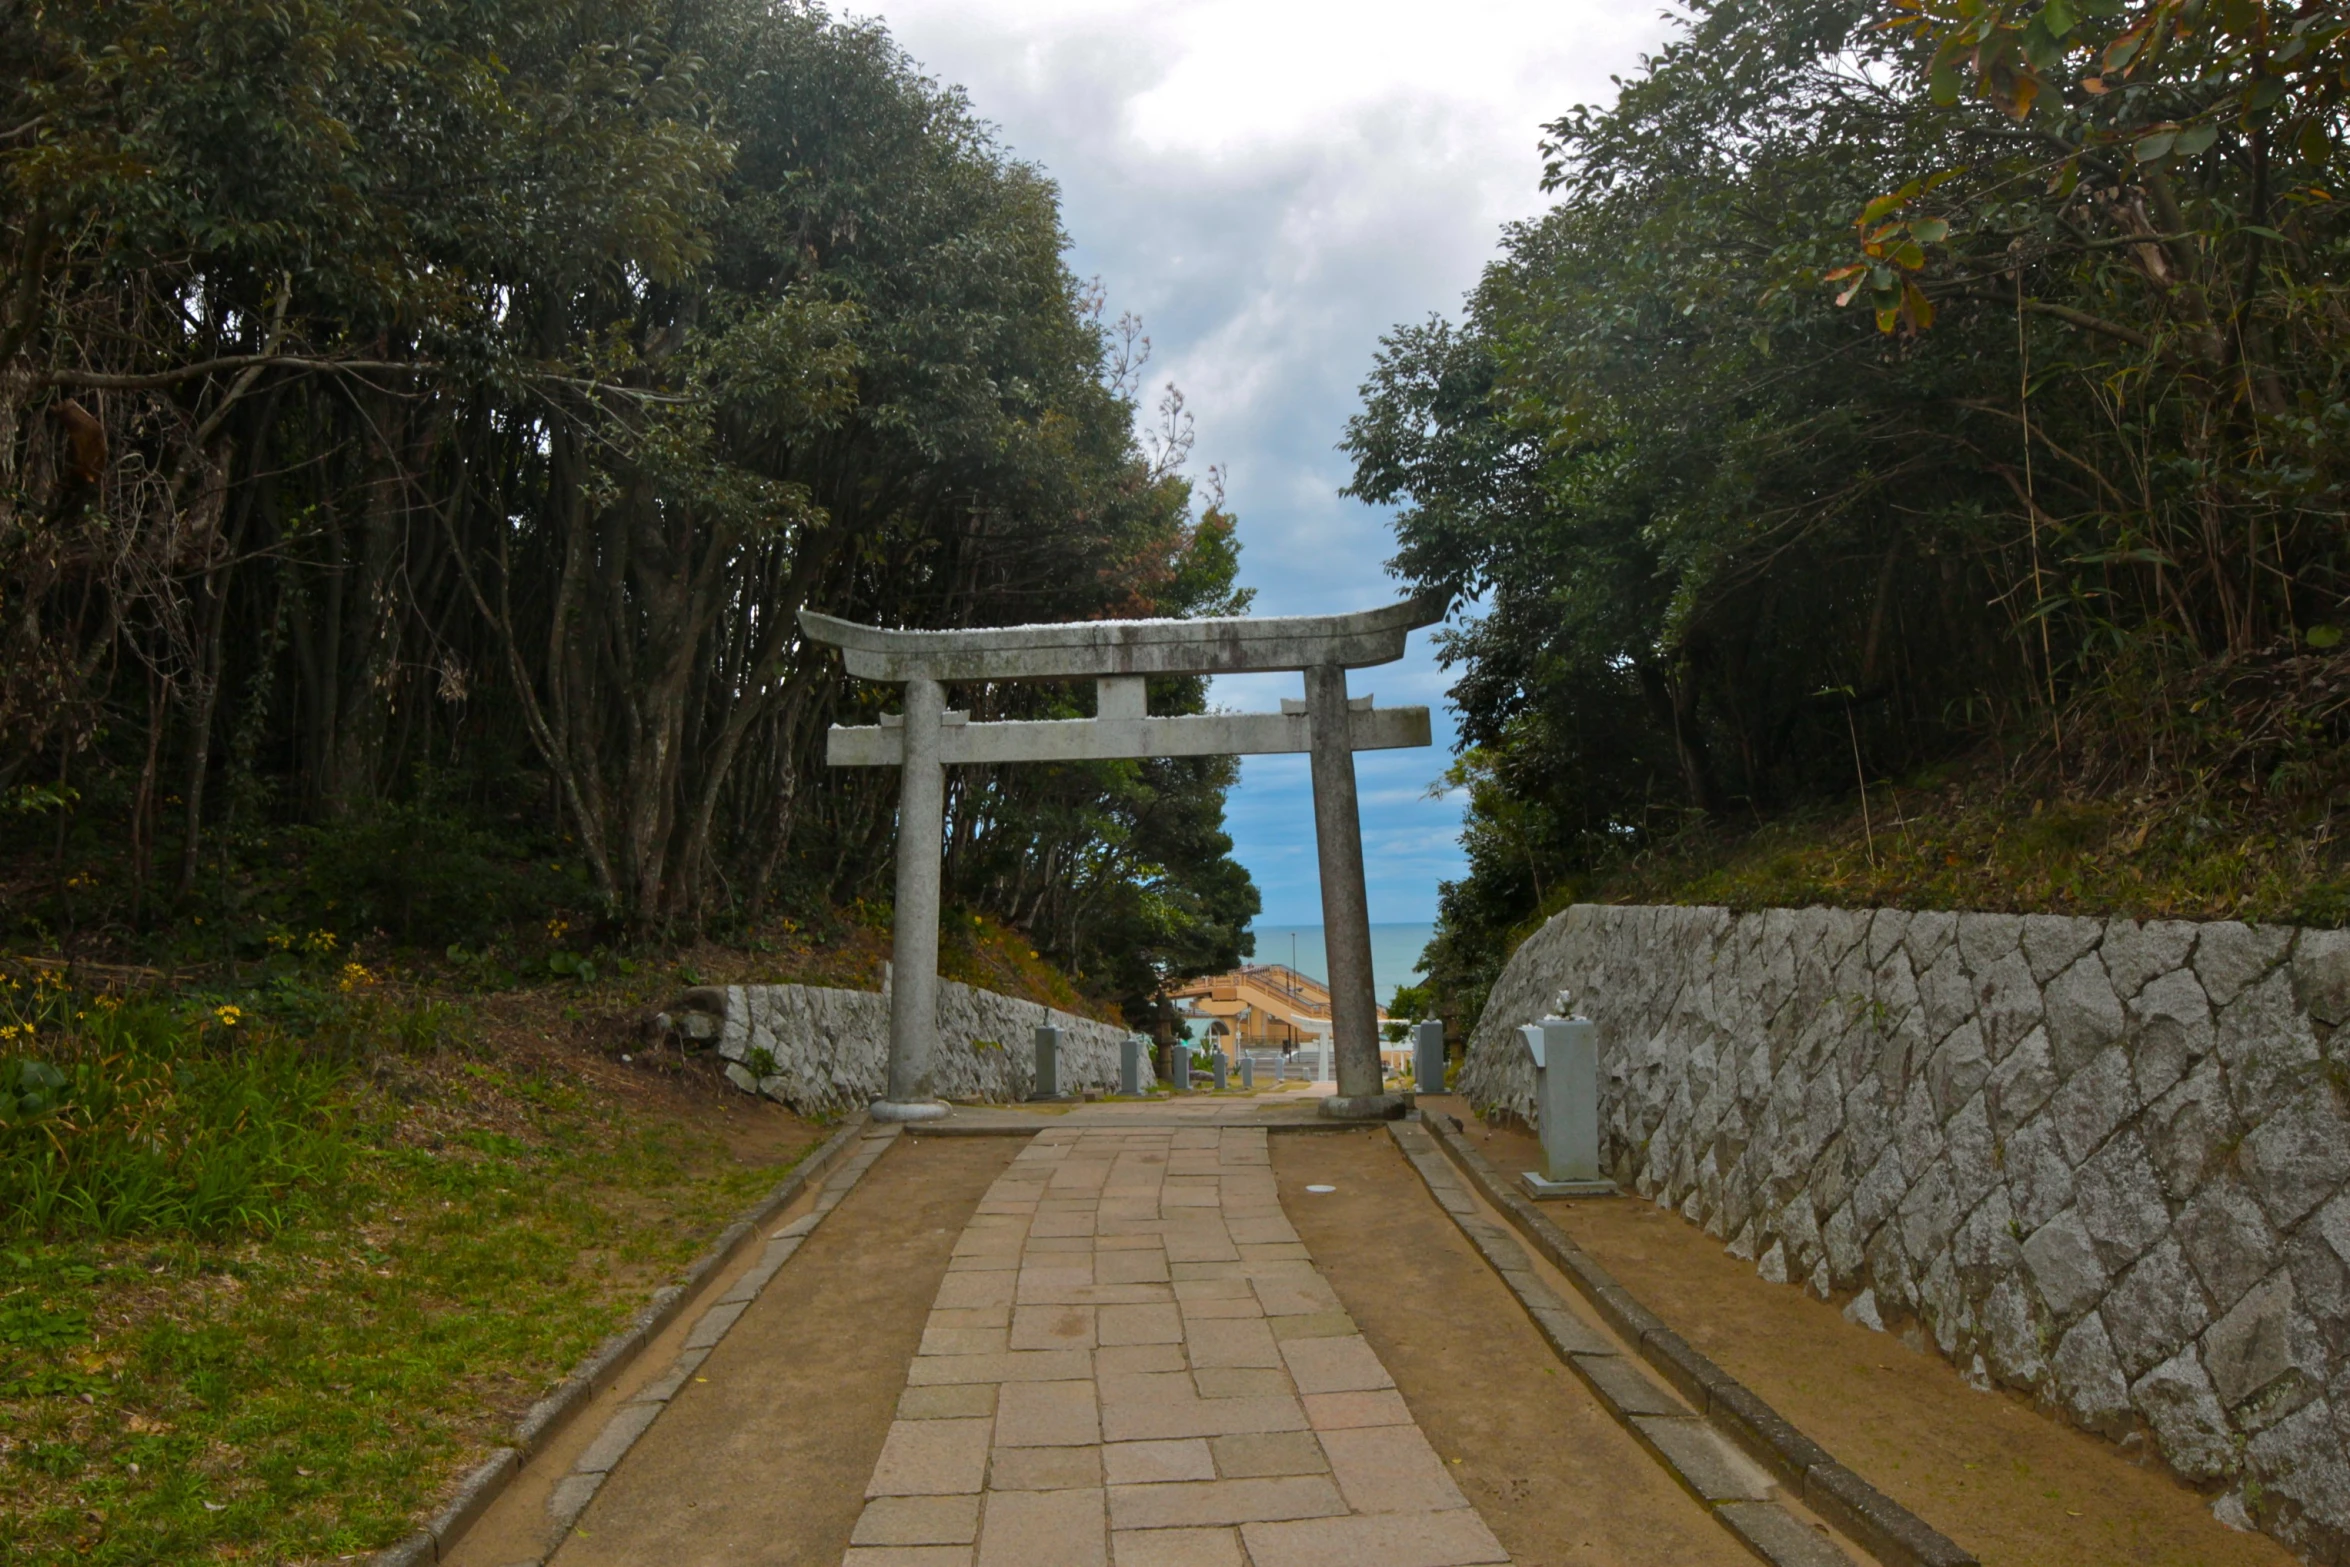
x=1395, y=952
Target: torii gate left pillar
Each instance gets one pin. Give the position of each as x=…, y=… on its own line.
x=1119, y=655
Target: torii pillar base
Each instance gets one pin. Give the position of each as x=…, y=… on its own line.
x=909, y=1110
x=1366, y=1107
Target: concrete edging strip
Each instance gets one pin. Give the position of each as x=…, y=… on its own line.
x=604, y=1364
x=1887, y=1530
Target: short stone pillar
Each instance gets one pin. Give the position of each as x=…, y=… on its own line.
x=1130, y=1064
x=1222, y=1069
x=1182, y=1065
x=1566, y=1107
x=1048, y=1063
x=1428, y=1057
x=1248, y=1072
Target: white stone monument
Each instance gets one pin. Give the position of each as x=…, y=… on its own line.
x=1117, y=655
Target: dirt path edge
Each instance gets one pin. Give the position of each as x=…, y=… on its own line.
x=603, y=1364
x=1889, y=1531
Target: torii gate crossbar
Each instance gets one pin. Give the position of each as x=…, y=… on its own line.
x=1118, y=655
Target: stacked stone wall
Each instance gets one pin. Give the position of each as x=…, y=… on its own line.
x=823, y=1051
x=2100, y=1161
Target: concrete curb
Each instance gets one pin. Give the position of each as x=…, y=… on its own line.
x=1890, y=1532
x=605, y=1363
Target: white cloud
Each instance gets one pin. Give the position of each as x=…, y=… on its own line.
x=1272, y=186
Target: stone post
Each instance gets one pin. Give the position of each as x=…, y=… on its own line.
x=913, y=994
x=1346, y=907
x=1566, y=1107
x=1130, y=1065
x=1048, y=1062
x=1428, y=1057
x=1221, y=1069
x=1248, y=1073
x=1180, y=1059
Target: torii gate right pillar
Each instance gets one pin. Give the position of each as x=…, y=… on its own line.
x=1346, y=906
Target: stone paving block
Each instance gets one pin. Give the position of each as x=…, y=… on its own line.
x=1625, y=1388
x=1015, y=1365
x=918, y=1520
x=1244, y=1305
x=1158, y=1323
x=1121, y=1389
x=1044, y=1468
x=1569, y=1334
x=714, y=1323
x=1224, y=1268
x=1047, y=1245
x=1192, y=1503
x=570, y=1498
x=1056, y=1272
x=1106, y=1240
x=932, y=1458
x=1240, y=1382
x=970, y=1290
x=1150, y=1463
x=1779, y=1537
x=1273, y=1251
x=1052, y=1327
x=1456, y=1538
x=667, y=1385
x=907, y=1556
x=950, y=1402
x=1334, y=1365
x=1201, y=1417
x=984, y=1264
x=1317, y=1324
x=1062, y=1224
x=1389, y=1469
x=1269, y=1453
x=1220, y=1286
x=1175, y=1548
x=1130, y=1267
x=1251, y=1232
x=1047, y=1414
x=963, y=1341
x=1186, y=1245
x=1705, y=1460
x=1295, y=1297
x=1237, y=1341
x=1346, y=1411
x=628, y=1422
x=1043, y=1529
x=1134, y=1359
x=1048, y=1294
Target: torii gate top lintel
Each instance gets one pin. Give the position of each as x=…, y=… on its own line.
x=1220, y=645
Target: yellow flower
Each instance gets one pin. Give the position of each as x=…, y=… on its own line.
x=556, y=928
x=319, y=941
x=355, y=975
x=229, y=1017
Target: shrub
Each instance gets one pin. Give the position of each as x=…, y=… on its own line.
x=141, y=1116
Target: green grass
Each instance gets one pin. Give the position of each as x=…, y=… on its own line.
x=335, y=1283
x=1955, y=847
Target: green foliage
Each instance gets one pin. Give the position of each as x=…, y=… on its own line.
x=151, y=1121
x=341, y=1359
x=423, y=424
x=1740, y=549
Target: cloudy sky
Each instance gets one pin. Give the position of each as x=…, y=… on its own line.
x=1271, y=185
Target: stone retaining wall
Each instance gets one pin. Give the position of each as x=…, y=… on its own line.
x=828, y=1050
x=2097, y=1160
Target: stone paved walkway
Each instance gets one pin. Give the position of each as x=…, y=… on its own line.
x=1132, y=1362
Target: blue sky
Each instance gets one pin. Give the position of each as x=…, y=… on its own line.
x=1271, y=186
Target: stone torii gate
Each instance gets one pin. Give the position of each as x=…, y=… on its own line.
x=1117, y=655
